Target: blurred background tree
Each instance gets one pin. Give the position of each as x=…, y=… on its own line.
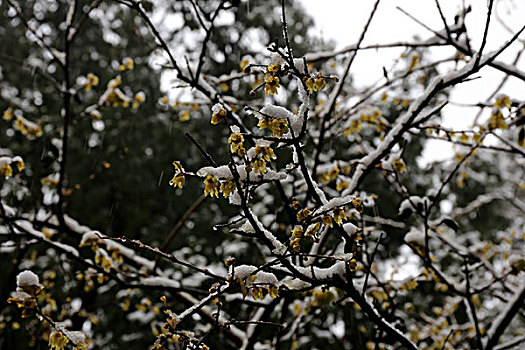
x=119, y=165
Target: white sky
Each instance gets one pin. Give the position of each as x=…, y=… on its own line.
x=343, y=20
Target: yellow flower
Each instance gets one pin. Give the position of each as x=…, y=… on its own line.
x=216, y=118
x=324, y=178
x=210, y=186
x=333, y=173
x=303, y=214
x=57, y=340
x=297, y=232
x=266, y=152
x=8, y=114
x=257, y=293
x=184, y=116
x=296, y=246
x=113, y=83
x=399, y=165
x=339, y=215
x=310, y=84
x=355, y=126
x=414, y=62
x=497, y=121
x=327, y=220
x=503, y=101
x=273, y=291
x=227, y=187
x=93, y=79
x=319, y=84
x=236, y=140
x=164, y=100
x=6, y=170
x=278, y=126
x=27, y=128
x=259, y=166
x=464, y=138
x=140, y=97
x=244, y=63
x=128, y=63
x=380, y=126
x=342, y=185
x=103, y=261
x=358, y=204
x=263, y=123
x=23, y=300
x=178, y=178
x=477, y=138
x=271, y=85
x=273, y=69
x=323, y=298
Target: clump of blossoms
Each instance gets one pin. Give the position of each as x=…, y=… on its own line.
x=28, y=128
x=271, y=83
x=28, y=293
x=278, y=126
x=7, y=164
x=236, y=141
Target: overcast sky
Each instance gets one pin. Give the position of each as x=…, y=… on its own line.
x=343, y=20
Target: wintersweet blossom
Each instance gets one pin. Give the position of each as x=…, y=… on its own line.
x=266, y=152
x=6, y=170
x=259, y=166
x=178, y=178
x=319, y=84
x=217, y=117
x=236, y=144
x=502, y=101
x=210, y=186
x=273, y=69
x=228, y=187
x=399, y=165
x=8, y=113
x=57, y=341
x=271, y=85
x=339, y=215
x=278, y=127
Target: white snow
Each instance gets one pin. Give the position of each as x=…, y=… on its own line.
x=265, y=278
x=414, y=236
x=350, y=228
x=322, y=273
x=159, y=282
x=90, y=236
x=223, y=172
x=243, y=271
x=27, y=278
